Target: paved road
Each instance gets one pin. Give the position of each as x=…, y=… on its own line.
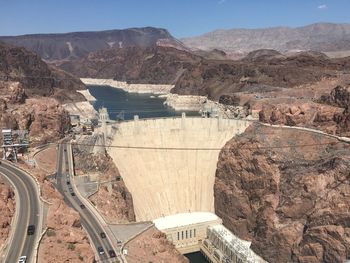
x=29, y=208
x=89, y=222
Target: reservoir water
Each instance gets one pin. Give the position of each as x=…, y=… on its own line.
x=196, y=257
x=120, y=103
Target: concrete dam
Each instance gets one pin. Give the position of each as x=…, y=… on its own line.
x=169, y=164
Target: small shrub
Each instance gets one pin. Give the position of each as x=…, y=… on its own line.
x=71, y=246
x=50, y=233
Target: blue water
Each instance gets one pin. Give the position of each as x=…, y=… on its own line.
x=121, y=103
x=196, y=257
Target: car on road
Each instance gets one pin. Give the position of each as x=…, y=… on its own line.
x=72, y=194
x=67, y=175
x=65, y=150
x=112, y=253
x=82, y=206
x=68, y=182
x=31, y=230
x=119, y=242
x=100, y=250
x=102, y=235
x=22, y=259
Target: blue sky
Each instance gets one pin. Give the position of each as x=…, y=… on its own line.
x=181, y=17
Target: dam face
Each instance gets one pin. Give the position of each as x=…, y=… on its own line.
x=171, y=172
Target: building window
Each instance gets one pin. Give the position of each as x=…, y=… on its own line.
x=182, y=234
x=191, y=233
x=186, y=234
x=178, y=235
x=194, y=232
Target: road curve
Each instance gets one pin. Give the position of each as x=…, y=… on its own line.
x=89, y=222
x=29, y=213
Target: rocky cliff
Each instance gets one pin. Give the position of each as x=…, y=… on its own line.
x=287, y=191
x=160, y=65
x=196, y=75
x=260, y=71
x=329, y=113
x=7, y=207
x=58, y=47
x=35, y=76
x=31, y=93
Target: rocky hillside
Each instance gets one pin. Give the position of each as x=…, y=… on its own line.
x=152, y=246
x=196, y=75
x=58, y=47
x=31, y=93
x=160, y=65
x=35, y=76
x=316, y=37
x=7, y=206
x=290, y=201
x=260, y=70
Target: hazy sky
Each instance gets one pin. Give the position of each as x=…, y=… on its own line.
x=181, y=17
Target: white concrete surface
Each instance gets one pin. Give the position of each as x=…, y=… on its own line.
x=174, y=172
x=88, y=96
x=184, y=219
x=133, y=88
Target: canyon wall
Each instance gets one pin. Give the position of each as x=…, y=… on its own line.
x=287, y=192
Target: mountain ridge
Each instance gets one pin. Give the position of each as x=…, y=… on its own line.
x=74, y=45
x=323, y=37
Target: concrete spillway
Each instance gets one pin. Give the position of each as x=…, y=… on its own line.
x=170, y=175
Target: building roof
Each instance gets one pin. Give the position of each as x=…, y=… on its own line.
x=184, y=219
x=6, y=130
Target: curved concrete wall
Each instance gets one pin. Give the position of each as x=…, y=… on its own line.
x=170, y=181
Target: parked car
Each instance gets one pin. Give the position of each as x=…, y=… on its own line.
x=22, y=259
x=102, y=235
x=82, y=206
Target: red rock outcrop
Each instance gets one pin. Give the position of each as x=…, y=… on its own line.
x=45, y=119
x=152, y=246
x=287, y=191
x=30, y=93
x=7, y=208
x=330, y=113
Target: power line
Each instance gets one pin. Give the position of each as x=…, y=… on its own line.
x=200, y=149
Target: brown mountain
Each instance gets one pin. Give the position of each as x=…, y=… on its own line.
x=157, y=65
x=31, y=92
x=196, y=75
x=35, y=76
x=323, y=37
x=53, y=47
